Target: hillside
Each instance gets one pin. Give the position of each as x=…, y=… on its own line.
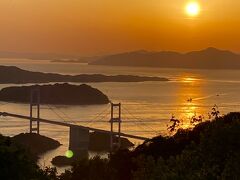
x=12, y=74
x=66, y=94
x=210, y=58
x=211, y=150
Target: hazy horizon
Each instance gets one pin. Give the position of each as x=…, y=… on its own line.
x=118, y=52
x=105, y=27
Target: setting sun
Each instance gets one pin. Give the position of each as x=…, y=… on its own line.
x=192, y=8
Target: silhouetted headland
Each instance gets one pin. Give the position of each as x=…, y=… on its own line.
x=101, y=142
x=76, y=60
x=65, y=94
x=210, y=58
x=12, y=74
x=61, y=161
x=36, y=144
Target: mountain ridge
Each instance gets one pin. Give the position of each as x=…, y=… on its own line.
x=209, y=58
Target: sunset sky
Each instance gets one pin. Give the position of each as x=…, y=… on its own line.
x=92, y=27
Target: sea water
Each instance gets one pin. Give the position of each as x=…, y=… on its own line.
x=147, y=107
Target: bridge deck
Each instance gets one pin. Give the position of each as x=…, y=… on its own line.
x=69, y=125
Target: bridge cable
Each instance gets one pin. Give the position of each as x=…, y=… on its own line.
x=66, y=116
x=100, y=115
x=57, y=114
x=89, y=122
x=136, y=124
x=142, y=128
x=140, y=120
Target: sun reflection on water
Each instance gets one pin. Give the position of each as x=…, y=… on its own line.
x=190, y=110
x=189, y=99
x=189, y=79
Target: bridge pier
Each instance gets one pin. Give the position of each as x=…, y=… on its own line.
x=78, y=141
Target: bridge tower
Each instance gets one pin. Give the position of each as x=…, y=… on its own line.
x=34, y=108
x=115, y=139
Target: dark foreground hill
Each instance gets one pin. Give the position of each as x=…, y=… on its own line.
x=56, y=94
x=209, y=151
x=15, y=75
x=16, y=162
x=209, y=58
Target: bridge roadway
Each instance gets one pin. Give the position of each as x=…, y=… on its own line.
x=70, y=125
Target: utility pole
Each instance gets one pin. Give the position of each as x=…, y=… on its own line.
x=115, y=140
x=34, y=105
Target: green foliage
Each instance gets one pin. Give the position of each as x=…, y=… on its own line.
x=50, y=173
x=94, y=169
x=211, y=150
x=175, y=124
x=215, y=112
x=217, y=156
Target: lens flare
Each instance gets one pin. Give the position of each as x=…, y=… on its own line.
x=69, y=154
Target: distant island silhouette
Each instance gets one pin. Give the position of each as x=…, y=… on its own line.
x=65, y=94
x=38, y=56
x=15, y=75
x=210, y=58
x=36, y=144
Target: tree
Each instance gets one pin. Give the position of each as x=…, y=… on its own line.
x=16, y=164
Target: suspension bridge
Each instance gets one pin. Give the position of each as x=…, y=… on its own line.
x=78, y=134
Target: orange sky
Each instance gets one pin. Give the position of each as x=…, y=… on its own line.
x=90, y=27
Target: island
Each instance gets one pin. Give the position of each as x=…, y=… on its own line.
x=101, y=142
x=64, y=94
x=15, y=75
x=35, y=144
x=210, y=58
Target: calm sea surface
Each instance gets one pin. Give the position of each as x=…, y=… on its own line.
x=147, y=106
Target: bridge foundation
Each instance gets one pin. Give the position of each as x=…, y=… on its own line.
x=78, y=141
